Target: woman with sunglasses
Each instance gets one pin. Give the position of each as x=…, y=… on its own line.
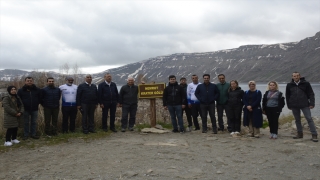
x=252, y=112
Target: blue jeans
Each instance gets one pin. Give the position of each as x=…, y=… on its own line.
x=30, y=117
x=126, y=110
x=307, y=114
x=176, y=112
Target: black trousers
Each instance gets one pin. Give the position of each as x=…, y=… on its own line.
x=126, y=110
x=195, y=111
x=205, y=108
x=273, y=118
x=69, y=112
x=11, y=134
x=187, y=110
x=220, y=109
x=88, y=117
x=234, y=116
x=112, y=106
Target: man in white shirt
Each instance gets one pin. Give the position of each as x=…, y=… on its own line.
x=69, y=105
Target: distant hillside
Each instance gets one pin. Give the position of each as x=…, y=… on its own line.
x=249, y=62
x=261, y=63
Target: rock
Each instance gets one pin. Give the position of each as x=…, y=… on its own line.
x=219, y=172
x=130, y=174
x=149, y=171
x=154, y=130
x=158, y=126
x=208, y=161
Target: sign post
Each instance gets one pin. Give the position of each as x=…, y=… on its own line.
x=151, y=91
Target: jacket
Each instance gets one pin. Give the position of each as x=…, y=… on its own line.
x=108, y=93
x=184, y=87
x=299, y=96
x=30, y=97
x=87, y=94
x=223, y=90
x=257, y=119
x=128, y=95
x=10, y=111
x=173, y=95
x=207, y=94
x=50, y=97
x=281, y=102
x=235, y=97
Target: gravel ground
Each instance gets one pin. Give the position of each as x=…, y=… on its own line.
x=193, y=155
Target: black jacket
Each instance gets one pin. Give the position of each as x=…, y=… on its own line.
x=281, y=102
x=50, y=97
x=87, y=94
x=299, y=96
x=235, y=97
x=207, y=94
x=128, y=95
x=173, y=95
x=185, y=90
x=108, y=94
x=30, y=97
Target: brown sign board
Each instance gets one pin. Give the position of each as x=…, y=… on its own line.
x=151, y=90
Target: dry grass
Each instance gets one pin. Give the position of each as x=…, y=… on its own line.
x=143, y=117
x=283, y=119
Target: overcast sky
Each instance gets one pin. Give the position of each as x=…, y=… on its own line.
x=97, y=35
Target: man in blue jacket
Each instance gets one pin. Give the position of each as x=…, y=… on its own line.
x=50, y=98
x=87, y=101
x=30, y=96
x=207, y=93
x=108, y=100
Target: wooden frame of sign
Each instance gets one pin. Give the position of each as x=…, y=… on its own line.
x=151, y=91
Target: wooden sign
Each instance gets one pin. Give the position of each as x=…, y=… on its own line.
x=151, y=90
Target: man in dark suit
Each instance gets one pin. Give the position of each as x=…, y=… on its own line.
x=108, y=100
x=87, y=102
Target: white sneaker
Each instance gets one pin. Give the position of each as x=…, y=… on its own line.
x=275, y=136
x=232, y=133
x=271, y=136
x=7, y=143
x=15, y=141
x=237, y=133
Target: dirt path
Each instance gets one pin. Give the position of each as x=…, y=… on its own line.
x=194, y=155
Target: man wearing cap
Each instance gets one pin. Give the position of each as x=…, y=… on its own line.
x=69, y=105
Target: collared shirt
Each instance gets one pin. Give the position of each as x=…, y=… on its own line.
x=88, y=84
x=107, y=82
x=297, y=83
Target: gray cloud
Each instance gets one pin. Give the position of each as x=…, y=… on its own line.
x=48, y=34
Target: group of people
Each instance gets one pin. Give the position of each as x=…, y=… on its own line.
x=21, y=106
x=200, y=99
x=195, y=99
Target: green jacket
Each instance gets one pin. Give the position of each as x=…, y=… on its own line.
x=10, y=111
x=223, y=89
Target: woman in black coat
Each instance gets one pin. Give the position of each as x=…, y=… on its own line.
x=272, y=103
x=234, y=107
x=252, y=112
x=13, y=109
